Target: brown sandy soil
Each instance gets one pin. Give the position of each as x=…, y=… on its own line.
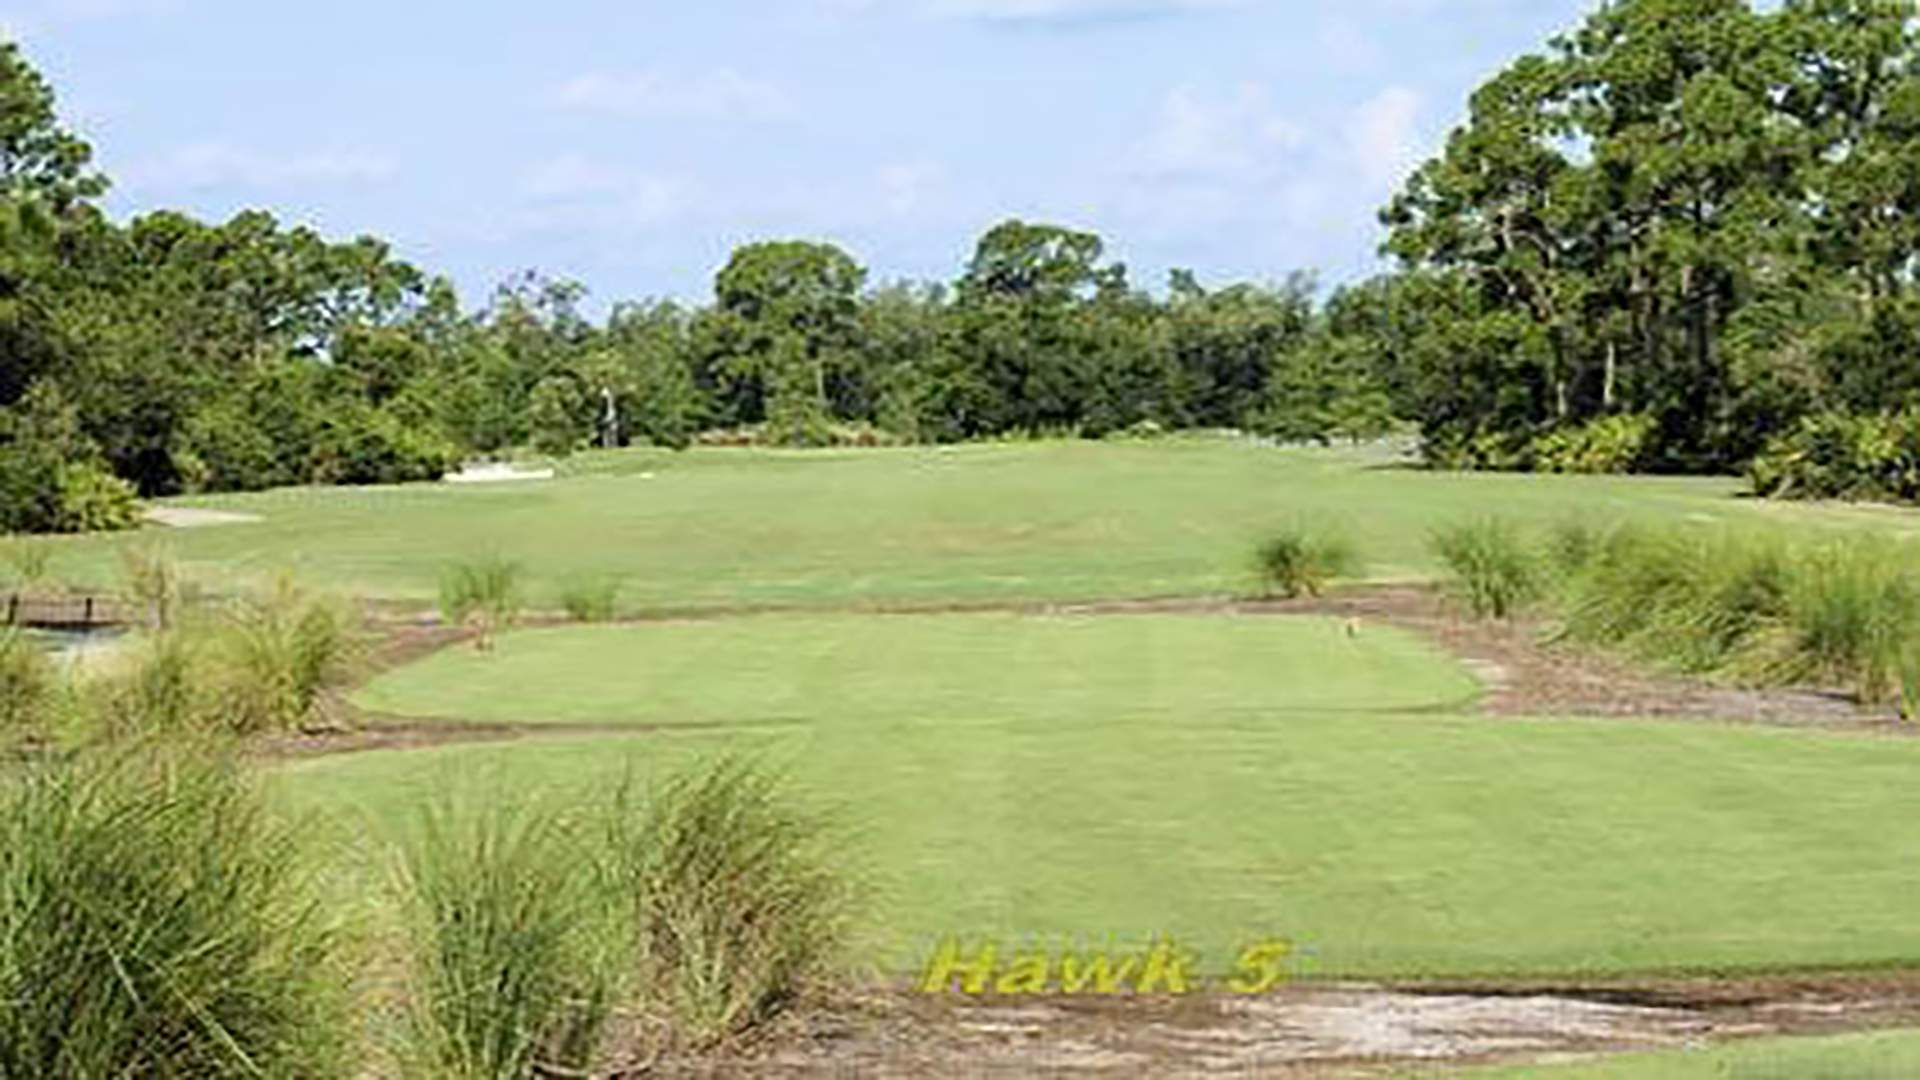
x=1306, y=1030
x=1302, y=1031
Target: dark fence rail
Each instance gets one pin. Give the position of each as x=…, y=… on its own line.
x=62, y=612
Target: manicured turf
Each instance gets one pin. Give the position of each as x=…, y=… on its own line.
x=723, y=528
x=1086, y=779
x=1882, y=1055
x=848, y=674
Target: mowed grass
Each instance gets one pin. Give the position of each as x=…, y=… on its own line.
x=1879, y=1055
x=1064, y=781
x=855, y=673
x=1041, y=521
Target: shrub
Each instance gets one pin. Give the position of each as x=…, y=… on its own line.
x=512, y=962
x=588, y=598
x=28, y=683
x=1300, y=561
x=363, y=445
x=1490, y=567
x=1843, y=456
x=94, y=500
x=153, y=922
x=1609, y=444
x=737, y=910
x=483, y=594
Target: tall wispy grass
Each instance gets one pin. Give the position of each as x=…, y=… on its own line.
x=1491, y=567
x=155, y=922
x=1754, y=607
x=278, y=653
x=738, y=908
x=154, y=586
x=258, y=663
x=483, y=594
x=29, y=683
x=1302, y=559
x=29, y=561
x=515, y=960
x=641, y=921
x=590, y=598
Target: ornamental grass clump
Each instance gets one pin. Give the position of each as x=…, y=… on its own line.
x=514, y=948
x=738, y=910
x=1491, y=570
x=156, y=921
x=1301, y=560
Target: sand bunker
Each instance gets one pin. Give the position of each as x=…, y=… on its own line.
x=187, y=517
x=497, y=473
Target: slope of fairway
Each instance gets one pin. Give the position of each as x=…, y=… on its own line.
x=1052, y=521
x=847, y=674
x=1026, y=798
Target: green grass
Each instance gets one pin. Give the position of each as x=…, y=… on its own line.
x=1880, y=1055
x=845, y=673
x=1047, y=521
x=1217, y=779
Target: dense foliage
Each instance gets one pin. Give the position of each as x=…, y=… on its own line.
x=1669, y=237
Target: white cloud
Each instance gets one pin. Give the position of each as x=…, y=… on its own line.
x=573, y=190
x=218, y=164
x=721, y=92
x=1198, y=137
x=1382, y=136
x=907, y=186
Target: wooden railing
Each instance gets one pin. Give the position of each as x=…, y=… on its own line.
x=58, y=611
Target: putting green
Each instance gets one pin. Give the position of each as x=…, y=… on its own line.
x=856, y=673
x=1221, y=780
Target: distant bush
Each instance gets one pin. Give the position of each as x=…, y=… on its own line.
x=513, y=952
x=738, y=911
x=368, y=446
x=856, y=434
x=1301, y=560
x=483, y=594
x=590, y=598
x=1610, y=444
x=92, y=499
x=1491, y=568
x=1843, y=456
x=153, y=922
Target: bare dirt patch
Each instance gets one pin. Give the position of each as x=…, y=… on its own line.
x=1304, y=1030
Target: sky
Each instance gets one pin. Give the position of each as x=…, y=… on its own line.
x=631, y=144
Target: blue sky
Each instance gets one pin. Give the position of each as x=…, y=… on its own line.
x=632, y=144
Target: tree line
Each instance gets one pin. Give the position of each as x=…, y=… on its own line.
x=1680, y=238
x=165, y=354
